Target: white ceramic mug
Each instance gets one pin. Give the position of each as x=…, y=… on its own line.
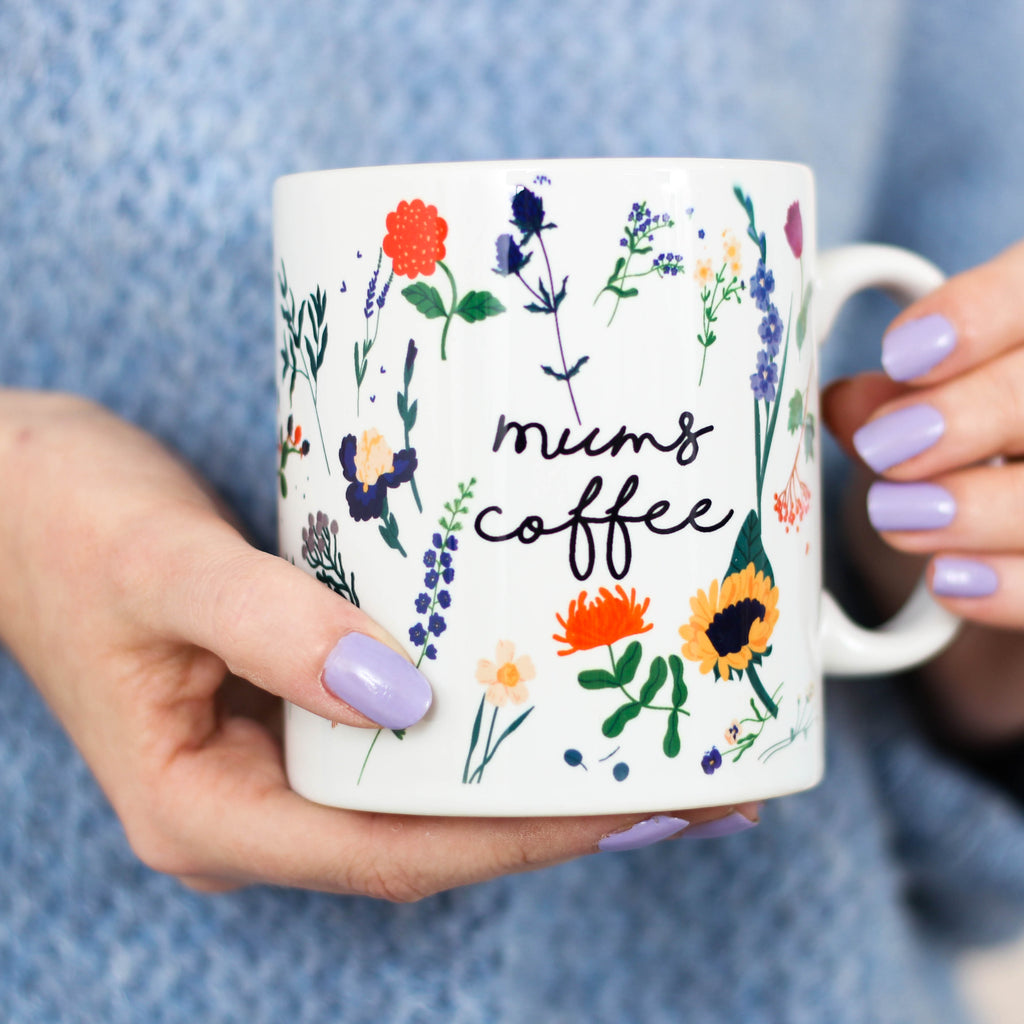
x=555, y=426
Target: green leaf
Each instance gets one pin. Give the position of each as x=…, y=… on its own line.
x=619, y=264
x=627, y=665
x=426, y=298
x=679, y=691
x=801, y=320
x=477, y=306
x=655, y=681
x=511, y=729
x=475, y=736
x=749, y=548
x=411, y=421
x=796, y=412
x=623, y=293
x=401, y=405
x=672, y=743
x=809, y=428
x=597, y=679
x=619, y=719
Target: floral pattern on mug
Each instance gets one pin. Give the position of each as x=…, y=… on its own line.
x=415, y=243
x=605, y=621
x=505, y=678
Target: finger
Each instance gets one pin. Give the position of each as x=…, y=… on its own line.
x=959, y=422
x=972, y=510
x=275, y=626
x=987, y=589
x=231, y=819
x=848, y=403
x=965, y=323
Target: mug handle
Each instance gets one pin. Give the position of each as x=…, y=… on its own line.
x=922, y=627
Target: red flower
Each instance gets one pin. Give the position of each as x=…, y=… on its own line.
x=795, y=229
x=607, y=619
x=415, y=238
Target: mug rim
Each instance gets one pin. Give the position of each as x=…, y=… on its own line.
x=634, y=162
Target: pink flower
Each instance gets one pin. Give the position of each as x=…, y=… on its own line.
x=795, y=229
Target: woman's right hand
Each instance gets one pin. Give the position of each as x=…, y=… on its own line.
x=161, y=639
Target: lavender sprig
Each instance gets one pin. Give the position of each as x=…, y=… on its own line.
x=372, y=309
x=320, y=551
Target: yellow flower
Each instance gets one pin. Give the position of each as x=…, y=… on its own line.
x=729, y=626
x=704, y=275
x=373, y=459
x=506, y=676
x=731, y=251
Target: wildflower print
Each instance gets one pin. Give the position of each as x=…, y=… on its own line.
x=302, y=352
x=372, y=469
x=415, y=243
x=732, y=733
x=605, y=621
x=717, y=288
x=638, y=236
x=438, y=560
x=372, y=310
x=513, y=257
x=711, y=761
x=407, y=411
x=794, y=501
x=505, y=679
x=730, y=628
x=292, y=443
x=794, y=230
x=320, y=551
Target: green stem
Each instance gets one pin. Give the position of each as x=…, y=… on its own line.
x=368, y=753
x=451, y=312
x=770, y=706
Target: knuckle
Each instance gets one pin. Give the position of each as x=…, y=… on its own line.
x=392, y=884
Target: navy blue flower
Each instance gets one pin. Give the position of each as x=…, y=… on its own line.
x=711, y=761
x=452, y=543
x=444, y=599
x=510, y=257
x=430, y=580
x=430, y=558
x=762, y=284
x=765, y=379
x=437, y=625
x=446, y=560
x=770, y=330
x=528, y=214
x=431, y=652
x=422, y=603
x=417, y=634
x=371, y=468
x=448, y=575
x=436, y=540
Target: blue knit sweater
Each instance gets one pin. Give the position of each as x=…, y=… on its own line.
x=138, y=144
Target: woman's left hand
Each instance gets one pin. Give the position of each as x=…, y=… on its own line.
x=943, y=430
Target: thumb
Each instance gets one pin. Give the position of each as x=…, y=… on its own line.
x=274, y=625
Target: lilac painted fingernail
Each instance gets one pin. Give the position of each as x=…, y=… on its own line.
x=909, y=506
x=643, y=833
x=727, y=826
x=912, y=349
x=963, y=577
x=898, y=436
x=377, y=681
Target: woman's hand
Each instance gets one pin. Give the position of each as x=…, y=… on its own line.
x=944, y=429
x=161, y=640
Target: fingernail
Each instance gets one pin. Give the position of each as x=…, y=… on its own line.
x=898, y=436
x=727, y=826
x=377, y=681
x=909, y=506
x=643, y=833
x=963, y=577
x=912, y=349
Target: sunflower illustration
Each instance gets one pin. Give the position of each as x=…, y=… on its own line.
x=730, y=626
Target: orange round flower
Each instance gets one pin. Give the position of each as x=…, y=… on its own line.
x=415, y=238
x=606, y=619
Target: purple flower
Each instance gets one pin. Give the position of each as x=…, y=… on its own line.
x=795, y=229
x=764, y=381
x=446, y=560
x=431, y=652
x=528, y=214
x=417, y=634
x=436, y=540
x=430, y=558
x=430, y=580
x=770, y=330
x=762, y=284
x=510, y=257
x=422, y=603
x=437, y=625
x=371, y=467
x=448, y=575
x=452, y=543
x=711, y=761
x=444, y=599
